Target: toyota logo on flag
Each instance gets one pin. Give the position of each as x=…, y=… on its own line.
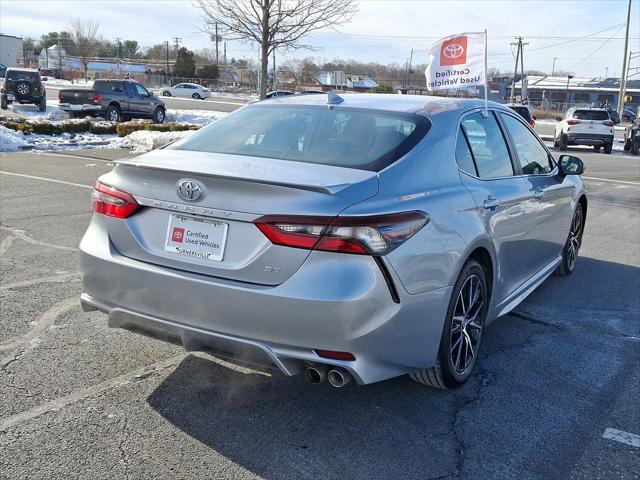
x=454, y=51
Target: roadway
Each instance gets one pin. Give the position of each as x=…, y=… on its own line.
x=555, y=394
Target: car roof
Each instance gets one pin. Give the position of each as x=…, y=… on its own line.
x=17, y=69
x=394, y=103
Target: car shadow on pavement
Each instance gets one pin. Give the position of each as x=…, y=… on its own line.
x=283, y=427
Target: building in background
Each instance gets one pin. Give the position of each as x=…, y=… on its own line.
x=561, y=92
x=11, y=54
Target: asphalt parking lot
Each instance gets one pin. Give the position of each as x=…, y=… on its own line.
x=78, y=400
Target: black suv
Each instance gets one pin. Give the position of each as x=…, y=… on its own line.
x=23, y=85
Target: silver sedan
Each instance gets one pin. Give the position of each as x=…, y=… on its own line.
x=356, y=237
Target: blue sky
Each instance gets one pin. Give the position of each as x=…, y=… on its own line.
x=382, y=30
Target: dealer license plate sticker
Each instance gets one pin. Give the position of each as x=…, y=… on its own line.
x=196, y=238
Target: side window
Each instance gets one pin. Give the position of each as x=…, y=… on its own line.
x=463, y=155
x=179, y=86
x=141, y=90
x=487, y=145
x=532, y=156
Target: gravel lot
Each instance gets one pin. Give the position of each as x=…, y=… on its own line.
x=78, y=400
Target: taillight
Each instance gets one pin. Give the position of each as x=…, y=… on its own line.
x=59, y=96
x=608, y=123
x=532, y=122
x=112, y=202
x=573, y=122
x=373, y=235
x=96, y=98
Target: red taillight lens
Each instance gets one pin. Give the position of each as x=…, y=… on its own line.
x=59, y=96
x=374, y=235
x=573, y=122
x=608, y=123
x=112, y=202
x=95, y=97
x=532, y=122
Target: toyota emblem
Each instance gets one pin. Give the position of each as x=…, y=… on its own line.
x=453, y=50
x=189, y=190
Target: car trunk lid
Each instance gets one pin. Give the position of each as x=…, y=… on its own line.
x=235, y=190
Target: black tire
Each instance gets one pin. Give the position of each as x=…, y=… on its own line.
x=158, y=115
x=42, y=106
x=555, y=142
x=571, y=248
x=3, y=102
x=635, y=147
x=196, y=96
x=166, y=93
x=562, y=143
x=596, y=148
x=460, y=327
x=627, y=145
x=608, y=147
x=113, y=114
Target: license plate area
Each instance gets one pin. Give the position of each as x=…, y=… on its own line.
x=196, y=238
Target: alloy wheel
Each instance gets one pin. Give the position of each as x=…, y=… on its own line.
x=573, y=242
x=466, y=327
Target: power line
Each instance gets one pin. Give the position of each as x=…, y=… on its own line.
x=597, y=49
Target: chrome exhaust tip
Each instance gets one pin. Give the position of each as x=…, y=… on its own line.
x=338, y=377
x=316, y=374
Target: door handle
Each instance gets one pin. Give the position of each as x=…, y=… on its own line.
x=491, y=202
x=538, y=194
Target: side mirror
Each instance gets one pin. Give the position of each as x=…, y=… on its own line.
x=570, y=165
x=534, y=117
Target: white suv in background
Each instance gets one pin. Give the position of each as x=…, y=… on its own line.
x=585, y=126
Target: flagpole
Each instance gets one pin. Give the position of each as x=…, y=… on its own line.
x=486, y=83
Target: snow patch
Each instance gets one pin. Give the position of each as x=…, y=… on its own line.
x=193, y=117
x=52, y=112
x=10, y=140
x=146, y=140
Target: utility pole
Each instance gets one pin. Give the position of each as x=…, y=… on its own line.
x=515, y=70
x=553, y=69
x=217, y=40
x=523, y=90
x=409, y=67
x=118, y=53
x=566, y=95
x=623, y=79
x=606, y=72
x=274, y=68
x=225, y=59
x=176, y=42
x=167, y=71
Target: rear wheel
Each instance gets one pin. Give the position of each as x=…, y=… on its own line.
x=42, y=106
x=562, y=142
x=196, y=96
x=627, y=145
x=3, y=102
x=166, y=93
x=158, y=115
x=608, y=147
x=462, y=332
x=596, y=148
x=113, y=114
x=572, y=246
x=635, y=147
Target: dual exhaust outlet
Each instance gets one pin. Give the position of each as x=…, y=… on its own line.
x=337, y=376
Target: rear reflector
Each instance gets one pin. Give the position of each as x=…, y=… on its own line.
x=372, y=235
x=112, y=202
x=349, y=357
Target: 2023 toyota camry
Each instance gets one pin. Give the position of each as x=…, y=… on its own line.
x=357, y=237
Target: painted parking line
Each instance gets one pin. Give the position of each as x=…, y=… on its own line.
x=621, y=182
x=622, y=437
x=45, y=179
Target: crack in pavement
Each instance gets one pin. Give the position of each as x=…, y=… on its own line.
x=22, y=235
x=32, y=338
x=124, y=458
x=60, y=278
x=119, y=381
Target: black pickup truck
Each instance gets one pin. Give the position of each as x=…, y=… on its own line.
x=116, y=100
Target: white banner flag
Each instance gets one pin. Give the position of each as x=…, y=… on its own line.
x=457, y=61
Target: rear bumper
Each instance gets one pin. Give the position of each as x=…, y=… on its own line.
x=588, y=139
x=69, y=107
x=333, y=302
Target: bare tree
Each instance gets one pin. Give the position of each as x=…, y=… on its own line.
x=84, y=35
x=273, y=24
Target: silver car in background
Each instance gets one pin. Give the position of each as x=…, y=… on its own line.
x=357, y=238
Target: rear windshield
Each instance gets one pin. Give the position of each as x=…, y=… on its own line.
x=18, y=75
x=339, y=136
x=591, y=115
x=523, y=111
x=106, y=87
